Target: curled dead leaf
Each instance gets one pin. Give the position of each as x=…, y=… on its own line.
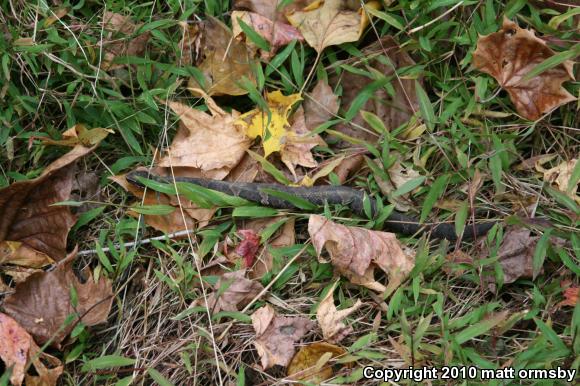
x=80, y=135
x=509, y=55
x=32, y=231
x=276, y=336
x=119, y=40
x=310, y=364
x=320, y=106
x=43, y=302
x=356, y=252
x=561, y=176
x=330, y=319
x=233, y=292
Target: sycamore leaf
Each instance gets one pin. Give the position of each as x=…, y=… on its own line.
x=33, y=232
x=18, y=349
x=271, y=125
x=119, y=40
x=275, y=33
x=509, y=55
x=276, y=336
x=330, y=319
x=329, y=24
x=356, y=252
x=232, y=292
x=43, y=302
x=310, y=364
x=211, y=142
x=225, y=60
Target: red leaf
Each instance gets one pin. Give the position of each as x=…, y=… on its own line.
x=248, y=247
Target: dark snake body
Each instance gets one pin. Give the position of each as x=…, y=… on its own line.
x=319, y=196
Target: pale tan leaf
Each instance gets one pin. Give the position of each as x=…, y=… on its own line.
x=43, y=302
x=561, y=175
x=328, y=25
x=310, y=363
x=355, y=252
x=331, y=320
x=509, y=55
x=14, y=348
x=233, y=292
x=276, y=336
x=320, y=106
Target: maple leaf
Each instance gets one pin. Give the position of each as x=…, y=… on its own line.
x=328, y=24
x=225, y=60
x=310, y=363
x=271, y=125
x=509, y=55
x=356, y=252
x=18, y=349
x=330, y=319
x=42, y=303
x=277, y=335
x=211, y=142
x=33, y=233
x=119, y=40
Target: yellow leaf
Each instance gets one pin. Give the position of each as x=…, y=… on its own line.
x=271, y=125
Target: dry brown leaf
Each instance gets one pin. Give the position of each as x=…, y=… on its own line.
x=210, y=143
x=276, y=336
x=356, y=252
x=233, y=292
x=330, y=319
x=328, y=25
x=393, y=110
x=119, y=40
x=43, y=302
x=80, y=135
x=14, y=348
x=399, y=175
x=273, y=10
x=310, y=364
x=190, y=44
x=225, y=61
x=561, y=176
x=32, y=232
x=18, y=349
x=299, y=143
x=509, y=55
x=276, y=33
x=320, y=106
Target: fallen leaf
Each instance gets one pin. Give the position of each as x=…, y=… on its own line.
x=43, y=302
x=328, y=25
x=192, y=217
x=453, y=259
x=120, y=40
x=271, y=125
x=190, y=44
x=18, y=349
x=14, y=349
x=276, y=335
x=248, y=247
x=509, y=55
x=211, y=142
x=356, y=252
x=80, y=135
x=224, y=63
x=32, y=231
x=330, y=319
x=393, y=109
x=570, y=297
x=233, y=292
x=310, y=364
x=298, y=144
x=273, y=10
x=275, y=33
x=561, y=176
x=320, y=106
x=399, y=175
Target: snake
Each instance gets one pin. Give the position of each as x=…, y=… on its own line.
x=261, y=193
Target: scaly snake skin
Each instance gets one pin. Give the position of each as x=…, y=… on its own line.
x=319, y=195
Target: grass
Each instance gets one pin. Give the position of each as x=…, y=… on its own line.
x=433, y=319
